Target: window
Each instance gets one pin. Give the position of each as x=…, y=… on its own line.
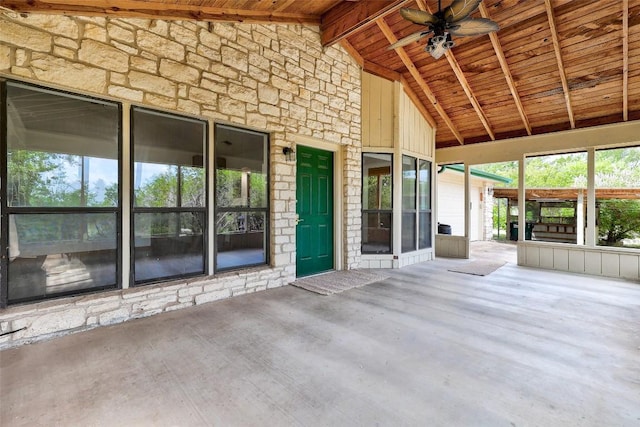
x=409, y=186
x=556, y=203
x=241, y=195
x=424, y=204
x=377, y=208
x=169, y=202
x=617, y=179
x=62, y=198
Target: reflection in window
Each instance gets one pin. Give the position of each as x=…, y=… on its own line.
x=241, y=194
x=617, y=178
x=424, y=204
x=62, y=195
x=377, y=193
x=169, y=196
x=409, y=184
x=168, y=244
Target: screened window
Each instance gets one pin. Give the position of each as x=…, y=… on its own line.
x=241, y=195
x=169, y=203
x=62, y=194
x=377, y=208
x=617, y=178
x=557, y=211
x=409, y=193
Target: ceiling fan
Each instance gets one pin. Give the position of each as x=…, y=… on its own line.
x=452, y=21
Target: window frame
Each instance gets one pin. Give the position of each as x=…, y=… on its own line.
x=430, y=209
x=377, y=211
x=7, y=210
x=171, y=210
x=409, y=211
x=235, y=209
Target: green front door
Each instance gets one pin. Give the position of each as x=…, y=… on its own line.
x=314, y=232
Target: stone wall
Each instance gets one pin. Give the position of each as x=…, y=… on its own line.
x=272, y=78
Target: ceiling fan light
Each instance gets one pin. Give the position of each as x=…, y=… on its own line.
x=438, y=45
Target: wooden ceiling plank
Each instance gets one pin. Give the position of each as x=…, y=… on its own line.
x=469, y=92
x=156, y=9
x=497, y=47
x=625, y=60
x=464, y=83
x=563, y=74
x=350, y=17
x=386, y=30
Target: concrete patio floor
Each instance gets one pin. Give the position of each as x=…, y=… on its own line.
x=426, y=347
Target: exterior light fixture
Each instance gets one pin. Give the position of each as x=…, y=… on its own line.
x=289, y=154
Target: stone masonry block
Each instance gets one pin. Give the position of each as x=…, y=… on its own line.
x=212, y=296
x=151, y=83
x=5, y=57
x=181, y=34
x=235, y=58
x=160, y=46
x=60, y=71
x=29, y=38
x=103, y=56
x=115, y=316
x=57, y=322
x=179, y=72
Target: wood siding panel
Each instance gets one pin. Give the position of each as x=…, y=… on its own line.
x=416, y=136
x=377, y=111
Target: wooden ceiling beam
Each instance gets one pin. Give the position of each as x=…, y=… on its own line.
x=563, y=74
x=506, y=70
x=352, y=52
x=469, y=92
x=625, y=60
x=386, y=30
x=388, y=74
x=462, y=79
x=350, y=17
x=156, y=9
x=567, y=193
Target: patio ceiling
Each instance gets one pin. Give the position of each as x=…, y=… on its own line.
x=553, y=65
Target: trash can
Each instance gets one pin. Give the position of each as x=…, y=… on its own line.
x=528, y=231
x=444, y=229
x=513, y=230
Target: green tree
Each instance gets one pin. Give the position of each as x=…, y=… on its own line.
x=615, y=168
x=618, y=220
x=31, y=178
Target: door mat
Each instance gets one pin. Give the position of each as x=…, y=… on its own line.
x=478, y=268
x=338, y=281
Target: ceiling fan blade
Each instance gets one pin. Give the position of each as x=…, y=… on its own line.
x=418, y=16
x=460, y=9
x=473, y=27
x=409, y=39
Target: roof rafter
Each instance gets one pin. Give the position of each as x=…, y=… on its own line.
x=625, y=60
x=497, y=47
x=563, y=74
x=462, y=79
x=386, y=30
